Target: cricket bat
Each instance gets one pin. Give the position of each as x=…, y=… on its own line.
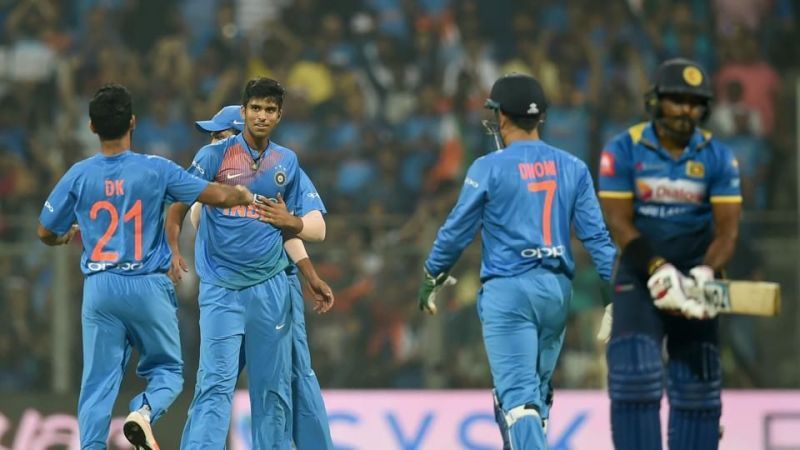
x=754, y=298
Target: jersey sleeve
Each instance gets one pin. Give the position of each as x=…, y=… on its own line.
x=58, y=212
x=206, y=162
x=182, y=186
x=725, y=184
x=292, y=194
x=590, y=228
x=309, y=197
x=616, y=172
x=461, y=225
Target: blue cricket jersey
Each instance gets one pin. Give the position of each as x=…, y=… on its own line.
x=233, y=248
x=525, y=197
x=119, y=204
x=671, y=197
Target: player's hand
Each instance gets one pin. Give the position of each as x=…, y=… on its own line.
x=604, y=333
x=701, y=275
x=323, y=295
x=666, y=287
x=675, y=293
x=275, y=212
x=703, y=308
x=177, y=268
x=426, y=299
x=66, y=238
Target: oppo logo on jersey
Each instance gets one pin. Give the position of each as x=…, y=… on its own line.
x=99, y=266
x=664, y=190
x=544, y=252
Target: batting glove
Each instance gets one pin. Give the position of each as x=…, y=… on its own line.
x=703, y=308
x=430, y=286
x=666, y=287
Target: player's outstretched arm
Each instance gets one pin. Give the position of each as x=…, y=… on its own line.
x=323, y=294
x=50, y=238
x=224, y=196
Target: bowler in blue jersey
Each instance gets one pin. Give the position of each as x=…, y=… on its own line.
x=245, y=295
x=525, y=198
x=117, y=200
x=310, y=429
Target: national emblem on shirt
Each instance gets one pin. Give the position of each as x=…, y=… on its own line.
x=280, y=177
x=695, y=169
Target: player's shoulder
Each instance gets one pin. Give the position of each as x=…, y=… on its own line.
x=561, y=157
x=84, y=166
x=219, y=147
x=640, y=133
x=283, y=150
x=286, y=156
x=713, y=145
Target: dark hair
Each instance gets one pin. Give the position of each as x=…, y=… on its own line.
x=263, y=88
x=527, y=123
x=110, y=111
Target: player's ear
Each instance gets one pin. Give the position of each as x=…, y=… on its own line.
x=502, y=120
x=91, y=127
x=133, y=122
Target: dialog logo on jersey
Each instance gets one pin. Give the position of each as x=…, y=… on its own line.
x=544, y=252
x=664, y=190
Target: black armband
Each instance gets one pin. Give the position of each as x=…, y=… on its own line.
x=639, y=256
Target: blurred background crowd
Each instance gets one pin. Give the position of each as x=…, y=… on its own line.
x=384, y=107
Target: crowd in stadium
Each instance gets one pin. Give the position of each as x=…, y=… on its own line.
x=385, y=99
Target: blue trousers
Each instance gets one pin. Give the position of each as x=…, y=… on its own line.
x=310, y=429
x=257, y=319
x=524, y=319
x=119, y=313
x=636, y=373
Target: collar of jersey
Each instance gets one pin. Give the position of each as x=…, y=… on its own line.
x=699, y=140
x=116, y=156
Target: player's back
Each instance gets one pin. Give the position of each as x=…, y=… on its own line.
x=119, y=206
x=532, y=194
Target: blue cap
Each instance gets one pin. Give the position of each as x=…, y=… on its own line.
x=227, y=117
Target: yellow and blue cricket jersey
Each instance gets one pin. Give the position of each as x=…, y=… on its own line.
x=672, y=198
x=233, y=248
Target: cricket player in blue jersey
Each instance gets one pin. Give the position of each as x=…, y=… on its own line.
x=245, y=296
x=310, y=428
x=670, y=193
x=525, y=197
x=117, y=198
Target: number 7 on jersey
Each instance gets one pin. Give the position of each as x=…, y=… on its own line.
x=549, y=187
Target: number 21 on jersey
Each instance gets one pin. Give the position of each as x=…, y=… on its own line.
x=133, y=214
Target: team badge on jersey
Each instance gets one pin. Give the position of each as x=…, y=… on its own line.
x=280, y=178
x=695, y=169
